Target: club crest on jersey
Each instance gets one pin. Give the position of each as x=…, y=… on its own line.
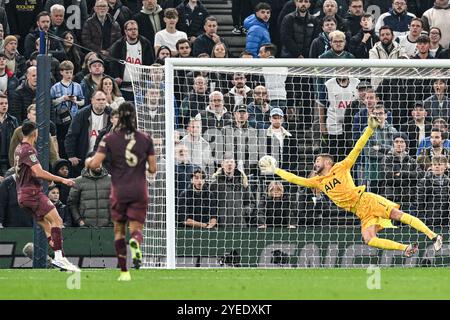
x=332, y=184
x=33, y=158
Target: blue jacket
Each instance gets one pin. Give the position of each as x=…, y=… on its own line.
x=257, y=34
x=426, y=143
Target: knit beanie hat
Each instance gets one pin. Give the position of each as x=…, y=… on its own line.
x=8, y=39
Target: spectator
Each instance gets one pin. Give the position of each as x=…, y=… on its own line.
x=170, y=35
x=76, y=17
x=119, y=12
x=113, y=95
x=63, y=210
x=321, y=44
x=196, y=101
x=11, y=214
x=240, y=93
x=150, y=20
x=24, y=95
x=235, y=202
x=401, y=172
x=17, y=136
x=184, y=49
x=417, y=128
x=330, y=9
x=354, y=16
x=89, y=201
x=91, y=81
x=219, y=50
x=8, y=124
x=298, y=30
x=241, y=141
x=437, y=139
x=61, y=168
x=423, y=48
x=163, y=53
x=386, y=48
x=259, y=109
x=57, y=24
x=22, y=17
x=438, y=104
x=435, y=38
x=398, y=18
x=197, y=207
x=365, y=39
x=433, y=194
x=83, y=130
x=377, y=147
x=192, y=15
x=440, y=124
x=67, y=98
x=8, y=82
x=438, y=16
x=275, y=83
x=205, y=42
x=216, y=116
x=43, y=24
x=340, y=92
x=276, y=208
x=88, y=58
x=71, y=52
x=16, y=63
x=409, y=40
x=337, y=40
x=198, y=148
x=183, y=168
x=257, y=26
x=100, y=31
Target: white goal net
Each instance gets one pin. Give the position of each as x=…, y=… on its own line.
x=213, y=119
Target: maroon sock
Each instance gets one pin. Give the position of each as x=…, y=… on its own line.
x=56, y=238
x=121, y=252
x=138, y=236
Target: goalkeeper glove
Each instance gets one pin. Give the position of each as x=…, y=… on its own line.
x=373, y=122
x=268, y=165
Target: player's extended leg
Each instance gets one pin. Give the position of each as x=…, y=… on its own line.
x=135, y=242
x=370, y=238
x=53, y=221
x=121, y=250
x=418, y=225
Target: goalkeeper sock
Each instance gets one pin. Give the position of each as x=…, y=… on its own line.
x=121, y=252
x=417, y=224
x=386, y=244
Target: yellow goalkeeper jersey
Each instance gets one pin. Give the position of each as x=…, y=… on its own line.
x=338, y=184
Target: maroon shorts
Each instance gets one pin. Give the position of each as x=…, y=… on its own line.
x=135, y=211
x=37, y=203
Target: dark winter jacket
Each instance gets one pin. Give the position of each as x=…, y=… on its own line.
x=297, y=34
x=120, y=13
x=82, y=14
x=21, y=66
x=198, y=205
x=63, y=189
x=94, y=35
x=277, y=212
x=412, y=131
x=190, y=21
x=22, y=97
x=354, y=23
x=90, y=200
x=77, y=138
x=146, y=27
x=257, y=34
x=8, y=126
x=433, y=199
x=319, y=46
x=30, y=43
x=360, y=49
x=119, y=51
x=203, y=44
x=22, y=15
x=65, y=214
x=11, y=214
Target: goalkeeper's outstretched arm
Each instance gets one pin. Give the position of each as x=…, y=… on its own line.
x=268, y=165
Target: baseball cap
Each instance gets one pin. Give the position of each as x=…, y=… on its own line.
x=240, y=107
x=364, y=85
x=95, y=61
x=276, y=111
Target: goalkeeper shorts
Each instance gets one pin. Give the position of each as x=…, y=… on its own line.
x=373, y=209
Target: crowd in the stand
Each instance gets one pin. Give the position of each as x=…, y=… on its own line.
x=225, y=121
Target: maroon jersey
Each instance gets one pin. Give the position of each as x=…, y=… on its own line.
x=129, y=153
x=25, y=157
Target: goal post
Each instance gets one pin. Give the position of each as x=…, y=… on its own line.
x=244, y=218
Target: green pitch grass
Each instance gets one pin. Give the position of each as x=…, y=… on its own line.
x=221, y=284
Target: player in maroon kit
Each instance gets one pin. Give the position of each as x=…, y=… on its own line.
x=130, y=150
x=32, y=198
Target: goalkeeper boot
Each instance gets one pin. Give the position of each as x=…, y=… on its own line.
x=437, y=242
x=411, y=249
x=136, y=253
x=124, y=276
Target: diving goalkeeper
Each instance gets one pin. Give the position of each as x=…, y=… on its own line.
x=374, y=211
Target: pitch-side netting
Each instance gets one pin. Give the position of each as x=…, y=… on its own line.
x=213, y=119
